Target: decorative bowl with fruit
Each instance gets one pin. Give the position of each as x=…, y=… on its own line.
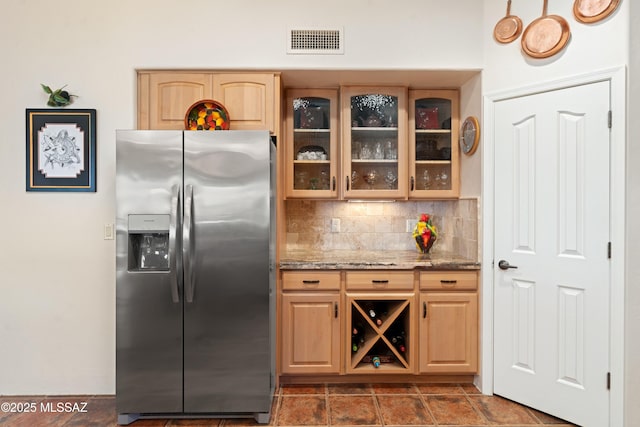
x=207, y=115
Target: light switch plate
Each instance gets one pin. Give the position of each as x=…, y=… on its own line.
x=335, y=225
x=108, y=232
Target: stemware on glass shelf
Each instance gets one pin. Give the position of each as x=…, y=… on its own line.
x=370, y=178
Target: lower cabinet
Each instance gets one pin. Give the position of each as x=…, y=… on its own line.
x=383, y=322
x=310, y=323
x=448, y=322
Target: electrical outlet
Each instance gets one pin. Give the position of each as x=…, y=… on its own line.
x=335, y=225
x=411, y=224
x=108, y=232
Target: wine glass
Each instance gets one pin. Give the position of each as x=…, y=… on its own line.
x=391, y=179
x=370, y=178
x=355, y=178
x=426, y=179
x=444, y=180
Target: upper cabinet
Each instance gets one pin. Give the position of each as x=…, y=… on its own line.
x=312, y=143
x=433, y=144
x=252, y=99
x=374, y=142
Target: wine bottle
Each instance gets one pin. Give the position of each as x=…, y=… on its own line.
x=375, y=361
x=370, y=309
x=357, y=336
x=355, y=339
x=397, y=336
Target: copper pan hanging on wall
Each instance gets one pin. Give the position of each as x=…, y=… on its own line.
x=589, y=11
x=508, y=28
x=546, y=35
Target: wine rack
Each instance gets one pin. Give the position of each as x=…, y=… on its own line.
x=387, y=335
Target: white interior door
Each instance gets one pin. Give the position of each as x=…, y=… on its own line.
x=551, y=320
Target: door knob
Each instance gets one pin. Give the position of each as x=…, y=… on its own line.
x=504, y=265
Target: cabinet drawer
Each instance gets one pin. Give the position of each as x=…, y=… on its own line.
x=449, y=280
x=379, y=280
x=311, y=280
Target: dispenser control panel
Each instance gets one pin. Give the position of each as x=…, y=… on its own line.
x=148, y=242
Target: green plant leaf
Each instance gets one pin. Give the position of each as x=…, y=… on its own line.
x=61, y=100
x=46, y=88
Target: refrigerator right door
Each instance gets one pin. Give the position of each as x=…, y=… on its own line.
x=227, y=350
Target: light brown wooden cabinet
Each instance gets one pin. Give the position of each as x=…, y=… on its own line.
x=380, y=318
x=422, y=323
x=448, y=322
x=310, y=322
x=312, y=143
x=434, y=159
x=395, y=144
x=252, y=99
x=374, y=142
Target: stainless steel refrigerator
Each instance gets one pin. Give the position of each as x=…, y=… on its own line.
x=195, y=280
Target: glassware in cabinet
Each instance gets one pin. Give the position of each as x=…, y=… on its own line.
x=433, y=144
x=311, y=144
x=374, y=150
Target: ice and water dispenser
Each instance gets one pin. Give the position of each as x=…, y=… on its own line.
x=148, y=242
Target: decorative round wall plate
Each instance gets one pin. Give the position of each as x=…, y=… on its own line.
x=469, y=135
x=207, y=115
x=589, y=11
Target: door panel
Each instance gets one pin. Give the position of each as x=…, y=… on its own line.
x=227, y=339
x=552, y=222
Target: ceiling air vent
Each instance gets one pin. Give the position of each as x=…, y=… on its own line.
x=315, y=41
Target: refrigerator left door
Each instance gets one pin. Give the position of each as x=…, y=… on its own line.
x=148, y=273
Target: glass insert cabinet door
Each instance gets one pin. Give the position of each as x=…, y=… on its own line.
x=312, y=160
x=374, y=152
x=433, y=144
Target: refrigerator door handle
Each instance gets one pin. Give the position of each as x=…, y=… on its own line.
x=188, y=243
x=173, y=251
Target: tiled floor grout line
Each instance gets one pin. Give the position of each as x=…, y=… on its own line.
x=423, y=399
x=475, y=408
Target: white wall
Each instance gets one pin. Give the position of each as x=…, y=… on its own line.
x=632, y=297
x=57, y=287
x=591, y=47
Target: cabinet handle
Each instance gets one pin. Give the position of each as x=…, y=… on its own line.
x=379, y=282
x=412, y=183
x=448, y=282
x=347, y=183
x=311, y=282
x=424, y=310
x=333, y=182
x=335, y=310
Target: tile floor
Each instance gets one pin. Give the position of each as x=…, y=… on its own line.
x=310, y=405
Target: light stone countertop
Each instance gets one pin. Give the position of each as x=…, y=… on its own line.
x=373, y=260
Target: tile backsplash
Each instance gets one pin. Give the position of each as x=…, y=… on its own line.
x=381, y=225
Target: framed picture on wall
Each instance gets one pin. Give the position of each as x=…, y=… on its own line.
x=61, y=150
